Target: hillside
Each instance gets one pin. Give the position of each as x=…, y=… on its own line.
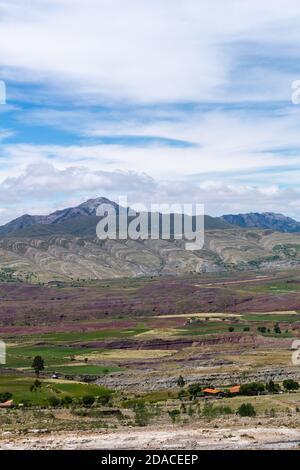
x=64, y=246
x=266, y=220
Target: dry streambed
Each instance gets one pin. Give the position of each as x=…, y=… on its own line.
x=164, y=438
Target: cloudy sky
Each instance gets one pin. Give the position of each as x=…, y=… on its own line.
x=161, y=100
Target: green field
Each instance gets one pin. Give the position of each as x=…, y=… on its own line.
x=20, y=388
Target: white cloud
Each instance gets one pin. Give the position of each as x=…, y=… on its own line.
x=146, y=51
x=42, y=182
x=136, y=56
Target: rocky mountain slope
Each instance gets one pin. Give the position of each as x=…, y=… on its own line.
x=64, y=246
x=266, y=220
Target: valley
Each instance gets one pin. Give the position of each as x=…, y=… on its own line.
x=124, y=353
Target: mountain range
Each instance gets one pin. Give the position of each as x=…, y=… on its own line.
x=266, y=220
x=63, y=246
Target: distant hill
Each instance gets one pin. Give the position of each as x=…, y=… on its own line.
x=80, y=220
x=265, y=220
x=64, y=246
x=88, y=208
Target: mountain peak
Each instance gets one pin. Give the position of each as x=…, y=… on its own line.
x=87, y=208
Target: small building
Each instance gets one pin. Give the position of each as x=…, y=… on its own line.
x=234, y=390
x=212, y=391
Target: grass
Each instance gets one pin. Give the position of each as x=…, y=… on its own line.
x=263, y=403
x=280, y=287
x=20, y=388
x=270, y=317
x=91, y=335
x=22, y=356
x=88, y=369
x=210, y=327
x=127, y=354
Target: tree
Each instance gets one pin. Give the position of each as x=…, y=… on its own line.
x=290, y=384
x=36, y=386
x=262, y=329
x=271, y=387
x=88, y=400
x=231, y=329
x=180, y=382
x=246, y=409
x=66, y=401
x=277, y=329
x=54, y=401
x=5, y=397
x=194, y=390
x=253, y=388
x=38, y=365
x=174, y=415
x=142, y=414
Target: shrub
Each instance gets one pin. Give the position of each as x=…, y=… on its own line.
x=194, y=390
x=142, y=414
x=277, y=329
x=181, y=394
x=180, y=382
x=54, y=401
x=88, y=400
x=231, y=329
x=104, y=399
x=37, y=384
x=174, y=415
x=5, y=397
x=251, y=389
x=271, y=387
x=246, y=409
x=290, y=384
x=66, y=401
x=246, y=328
x=262, y=329
x=211, y=411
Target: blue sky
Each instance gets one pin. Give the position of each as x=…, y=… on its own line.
x=162, y=101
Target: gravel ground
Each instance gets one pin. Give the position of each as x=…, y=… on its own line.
x=165, y=438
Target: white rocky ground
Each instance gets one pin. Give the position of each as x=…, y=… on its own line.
x=190, y=438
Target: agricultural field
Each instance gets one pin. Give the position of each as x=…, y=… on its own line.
x=125, y=344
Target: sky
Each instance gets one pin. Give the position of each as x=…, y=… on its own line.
x=164, y=101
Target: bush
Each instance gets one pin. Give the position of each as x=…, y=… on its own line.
x=231, y=329
x=262, y=329
x=104, y=399
x=174, y=415
x=251, y=389
x=54, y=401
x=277, y=329
x=180, y=382
x=194, y=390
x=5, y=397
x=271, y=387
x=290, y=384
x=66, y=401
x=181, y=394
x=246, y=409
x=142, y=414
x=88, y=400
x=211, y=411
x=37, y=385
x=246, y=328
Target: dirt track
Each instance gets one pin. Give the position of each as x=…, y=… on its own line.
x=166, y=438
